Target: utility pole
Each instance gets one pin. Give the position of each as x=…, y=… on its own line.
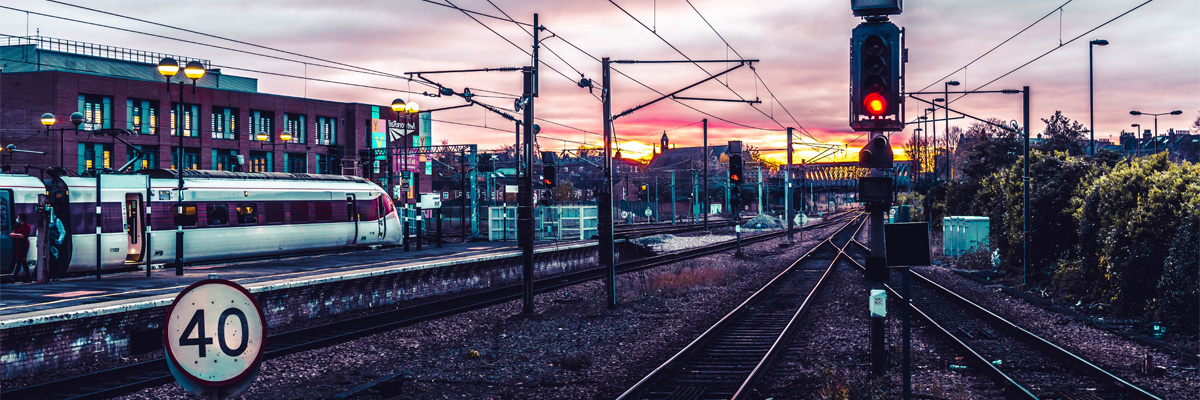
x=787, y=191
x=525, y=190
x=607, y=258
x=1025, y=193
x=672, y=197
x=705, y=157
x=760, y=193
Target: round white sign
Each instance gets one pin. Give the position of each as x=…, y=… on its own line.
x=624, y=214
x=649, y=212
x=214, y=336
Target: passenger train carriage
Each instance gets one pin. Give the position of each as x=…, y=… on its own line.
x=225, y=215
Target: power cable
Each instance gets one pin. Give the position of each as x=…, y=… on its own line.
x=371, y=71
x=1058, y=47
x=1010, y=38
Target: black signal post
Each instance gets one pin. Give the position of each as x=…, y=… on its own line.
x=876, y=102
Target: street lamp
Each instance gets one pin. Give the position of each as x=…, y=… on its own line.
x=1176, y=112
x=941, y=100
x=1137, y=138
x=1091, y=98
x=48, y=120
x=167, y=67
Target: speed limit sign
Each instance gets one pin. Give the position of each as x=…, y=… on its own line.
x=214, y=338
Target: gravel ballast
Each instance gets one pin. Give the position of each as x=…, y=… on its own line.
x=573, y=348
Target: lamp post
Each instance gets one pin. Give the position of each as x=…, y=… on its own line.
x=167, y=67
x=946, y=93
x=1176, y=112
x=1091, y=98
x=48, y=120
x=1137, y=137
x=941, y=100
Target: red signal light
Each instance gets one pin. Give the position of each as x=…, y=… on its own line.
x=735, y=178
x=546, y=181
x=875, y=104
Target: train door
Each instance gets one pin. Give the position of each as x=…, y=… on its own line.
x=6, y=226
x=352, y=216
x=381, y=211
x=134, y=217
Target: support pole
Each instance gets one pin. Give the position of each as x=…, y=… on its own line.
x=1025, y=194
x=525, y=196
x=705, y=157
x=787, y=191
x=878, y=348
x=672, y=200
x=179, y=171
x=607, y=258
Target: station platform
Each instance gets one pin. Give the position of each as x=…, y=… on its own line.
x=29, y=299
x=79, y=319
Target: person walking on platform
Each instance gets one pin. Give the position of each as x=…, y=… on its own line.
x=54, y=238
x=20, y=235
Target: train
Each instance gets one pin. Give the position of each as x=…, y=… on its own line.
x=224, y=215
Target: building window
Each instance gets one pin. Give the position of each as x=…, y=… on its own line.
x=296, y=126
x=326, y=131
x=141, y=116
x=191, y=157
x=191, y=125
x=224, y=123
x=96, y=110
x=95, y=156
x=261, y=122
x=260, y=161
x=224, y=159
x=297, y=163
x=149, y=158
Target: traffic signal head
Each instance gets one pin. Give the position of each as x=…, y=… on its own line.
x=876, y=154
x=549, y=175
x=875, y=95
x=735, y=169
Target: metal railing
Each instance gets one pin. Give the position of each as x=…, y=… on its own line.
x=99, y=50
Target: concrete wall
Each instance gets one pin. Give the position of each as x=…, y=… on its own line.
x=93, y=334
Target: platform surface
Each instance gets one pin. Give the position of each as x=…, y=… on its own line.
x=24, y=303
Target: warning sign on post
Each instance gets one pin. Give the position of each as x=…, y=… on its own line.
x=214, y=338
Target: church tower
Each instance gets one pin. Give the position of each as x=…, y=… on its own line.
x=664, y=141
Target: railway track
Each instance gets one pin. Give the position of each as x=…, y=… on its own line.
x=726, y=360
x=1026, y=365
x=128, y=378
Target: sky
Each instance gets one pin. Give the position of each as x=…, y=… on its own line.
x=801, y=77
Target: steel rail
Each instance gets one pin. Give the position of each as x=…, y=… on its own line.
x=662, y=372
x=1080, y=362
x=1005, y=379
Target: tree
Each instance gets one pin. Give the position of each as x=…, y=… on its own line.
x=1062, y=134
x=757, y=156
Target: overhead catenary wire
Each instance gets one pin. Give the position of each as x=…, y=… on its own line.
x=134, y=31
x=363, y=69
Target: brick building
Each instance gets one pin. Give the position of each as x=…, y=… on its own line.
x=125, y=101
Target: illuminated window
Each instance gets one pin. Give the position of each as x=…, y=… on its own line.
x=96, y=110
x=224, y=123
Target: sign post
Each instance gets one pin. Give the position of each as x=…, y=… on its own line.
x=214, y=338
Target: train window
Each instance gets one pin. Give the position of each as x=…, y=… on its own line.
x=274, y=213
x=218, y=214
x=247, y=213
x=185, y=216
x=323, y=211
x=300, y=212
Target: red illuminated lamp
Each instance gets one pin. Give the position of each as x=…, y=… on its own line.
x=875, y=104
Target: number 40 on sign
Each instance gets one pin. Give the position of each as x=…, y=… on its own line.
x=214, y=337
